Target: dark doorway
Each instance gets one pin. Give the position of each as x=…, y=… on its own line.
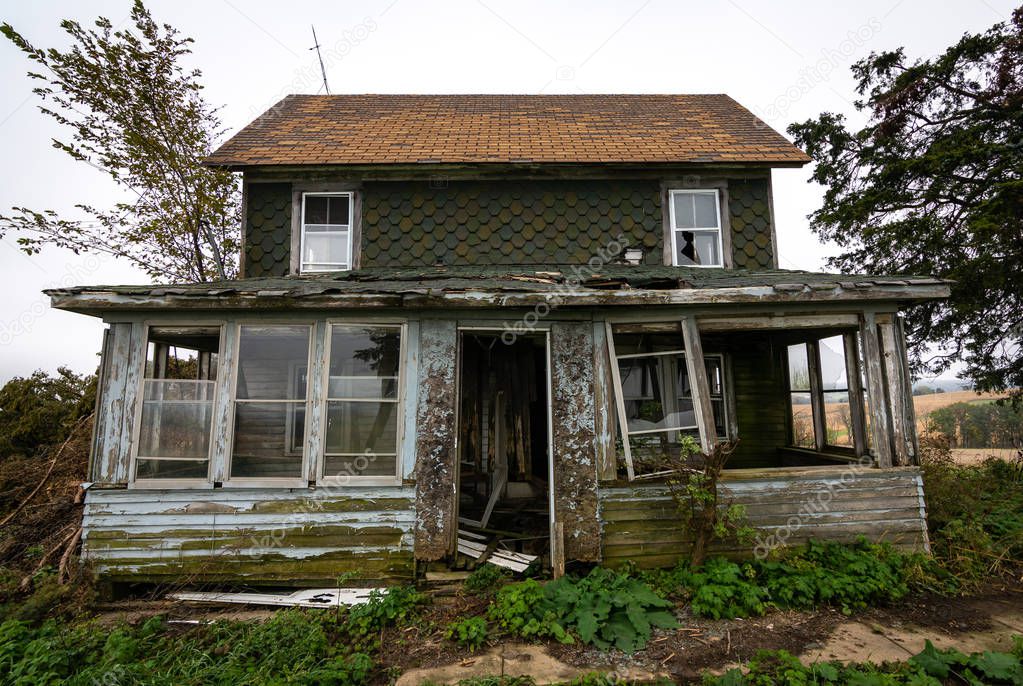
x=504, y=462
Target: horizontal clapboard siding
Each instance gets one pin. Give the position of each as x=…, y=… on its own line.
x=251, y=536
x=640, y=523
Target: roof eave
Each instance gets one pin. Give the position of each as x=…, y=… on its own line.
x=97, y=302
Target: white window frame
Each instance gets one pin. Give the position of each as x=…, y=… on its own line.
x=398, y=400
x=619, y=395
x=718, y=229
x=302, y=269
x=169, y=484
x=300, y=481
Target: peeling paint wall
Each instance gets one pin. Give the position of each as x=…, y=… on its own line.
x=305, y=537
x=436, y=468
x=575, y=460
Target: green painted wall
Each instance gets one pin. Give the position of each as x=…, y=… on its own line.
x=267, y=240
x=417, y=223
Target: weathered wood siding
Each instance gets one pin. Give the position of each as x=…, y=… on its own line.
x=253, y=536
x=640, y=522
x=757, y=379
x=117, y=393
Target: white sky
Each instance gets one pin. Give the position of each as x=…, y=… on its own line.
x=787, y=61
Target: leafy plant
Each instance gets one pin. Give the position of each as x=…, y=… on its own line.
x=604, y=608
x=485, y=578
x=470, y=632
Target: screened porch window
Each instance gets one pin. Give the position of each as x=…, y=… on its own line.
x=326, y=232
x=656, y=398
x=177, y=403
x=823, y=413
x=270, y=403
x=362, y=402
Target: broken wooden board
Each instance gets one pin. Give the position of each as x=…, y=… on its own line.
x=517, y=562
x=312, y=597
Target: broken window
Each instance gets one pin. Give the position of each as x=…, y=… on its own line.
x=177, y=403
x=695, y=228
x=362, y=402
x=655, y=397
x=823, y=414
x=326, y=232
x=270, y=402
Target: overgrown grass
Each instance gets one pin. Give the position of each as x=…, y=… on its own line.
x=974, y=513
x=930, y=666
x=293, y=647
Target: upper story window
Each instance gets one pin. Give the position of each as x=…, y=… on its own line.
x=696, y=228
x=326, y=232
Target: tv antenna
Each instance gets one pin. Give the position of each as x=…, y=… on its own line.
x=323, y=70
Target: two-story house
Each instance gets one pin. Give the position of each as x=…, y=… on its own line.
x=498, y=315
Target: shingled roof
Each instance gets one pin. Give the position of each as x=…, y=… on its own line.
x=538, y=129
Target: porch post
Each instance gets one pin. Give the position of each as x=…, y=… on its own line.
x=820, y=424
x=854, y=381
x=880, y=422
x=698, y=383
x=896, y=376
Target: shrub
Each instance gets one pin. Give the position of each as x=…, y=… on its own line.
x=485, y=579
x=470, y=632
x=604, y=608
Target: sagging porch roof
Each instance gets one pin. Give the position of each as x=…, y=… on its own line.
x=460, y=287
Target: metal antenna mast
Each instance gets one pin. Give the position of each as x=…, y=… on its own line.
x=323, y=69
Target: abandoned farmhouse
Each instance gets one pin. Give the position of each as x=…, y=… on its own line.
x=480, y=326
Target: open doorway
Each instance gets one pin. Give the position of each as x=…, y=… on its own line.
x=504, y=449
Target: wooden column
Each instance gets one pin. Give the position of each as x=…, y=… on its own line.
x=820, y=424
x=895, y=377
x=316, y=421
x=436, y=468
x=574, y=465
x=223, y=404
x=908, y=388
x=603, y=398
x=854, y=381
x=880, y=421
x=699, y=384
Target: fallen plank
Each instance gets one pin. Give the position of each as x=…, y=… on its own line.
x=517, y=562
x=312, y=597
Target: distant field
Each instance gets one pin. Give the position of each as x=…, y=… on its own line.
x=926, y=404
x=977, y=455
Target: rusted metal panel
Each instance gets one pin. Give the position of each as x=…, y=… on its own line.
x=436, y=468
x=603, y=410
x=786, y=506
x=574, y=459
x=260, y=536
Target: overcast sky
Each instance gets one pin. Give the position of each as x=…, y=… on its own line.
x=786, y=61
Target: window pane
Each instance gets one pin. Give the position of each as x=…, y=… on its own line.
x=338, y=211
x=697, y=248
x=635, y=343
x=651, y=452
x=685, y=213
x=177, y=402
x=651, y=393
x=371, y=464
x=316, y=209
x=799, y=368
x=326, y=248
x=802, y=421
x=356, y=428
x=272, y=362
x=172, y=469
x=176, y=418
x=832, y=352
x=364, y=362
x=706, y=248
x=264, y=440
x=705, y=211
x=838, y=419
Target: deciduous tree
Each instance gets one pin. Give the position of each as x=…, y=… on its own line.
x=130, y=109
x=933, y=184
